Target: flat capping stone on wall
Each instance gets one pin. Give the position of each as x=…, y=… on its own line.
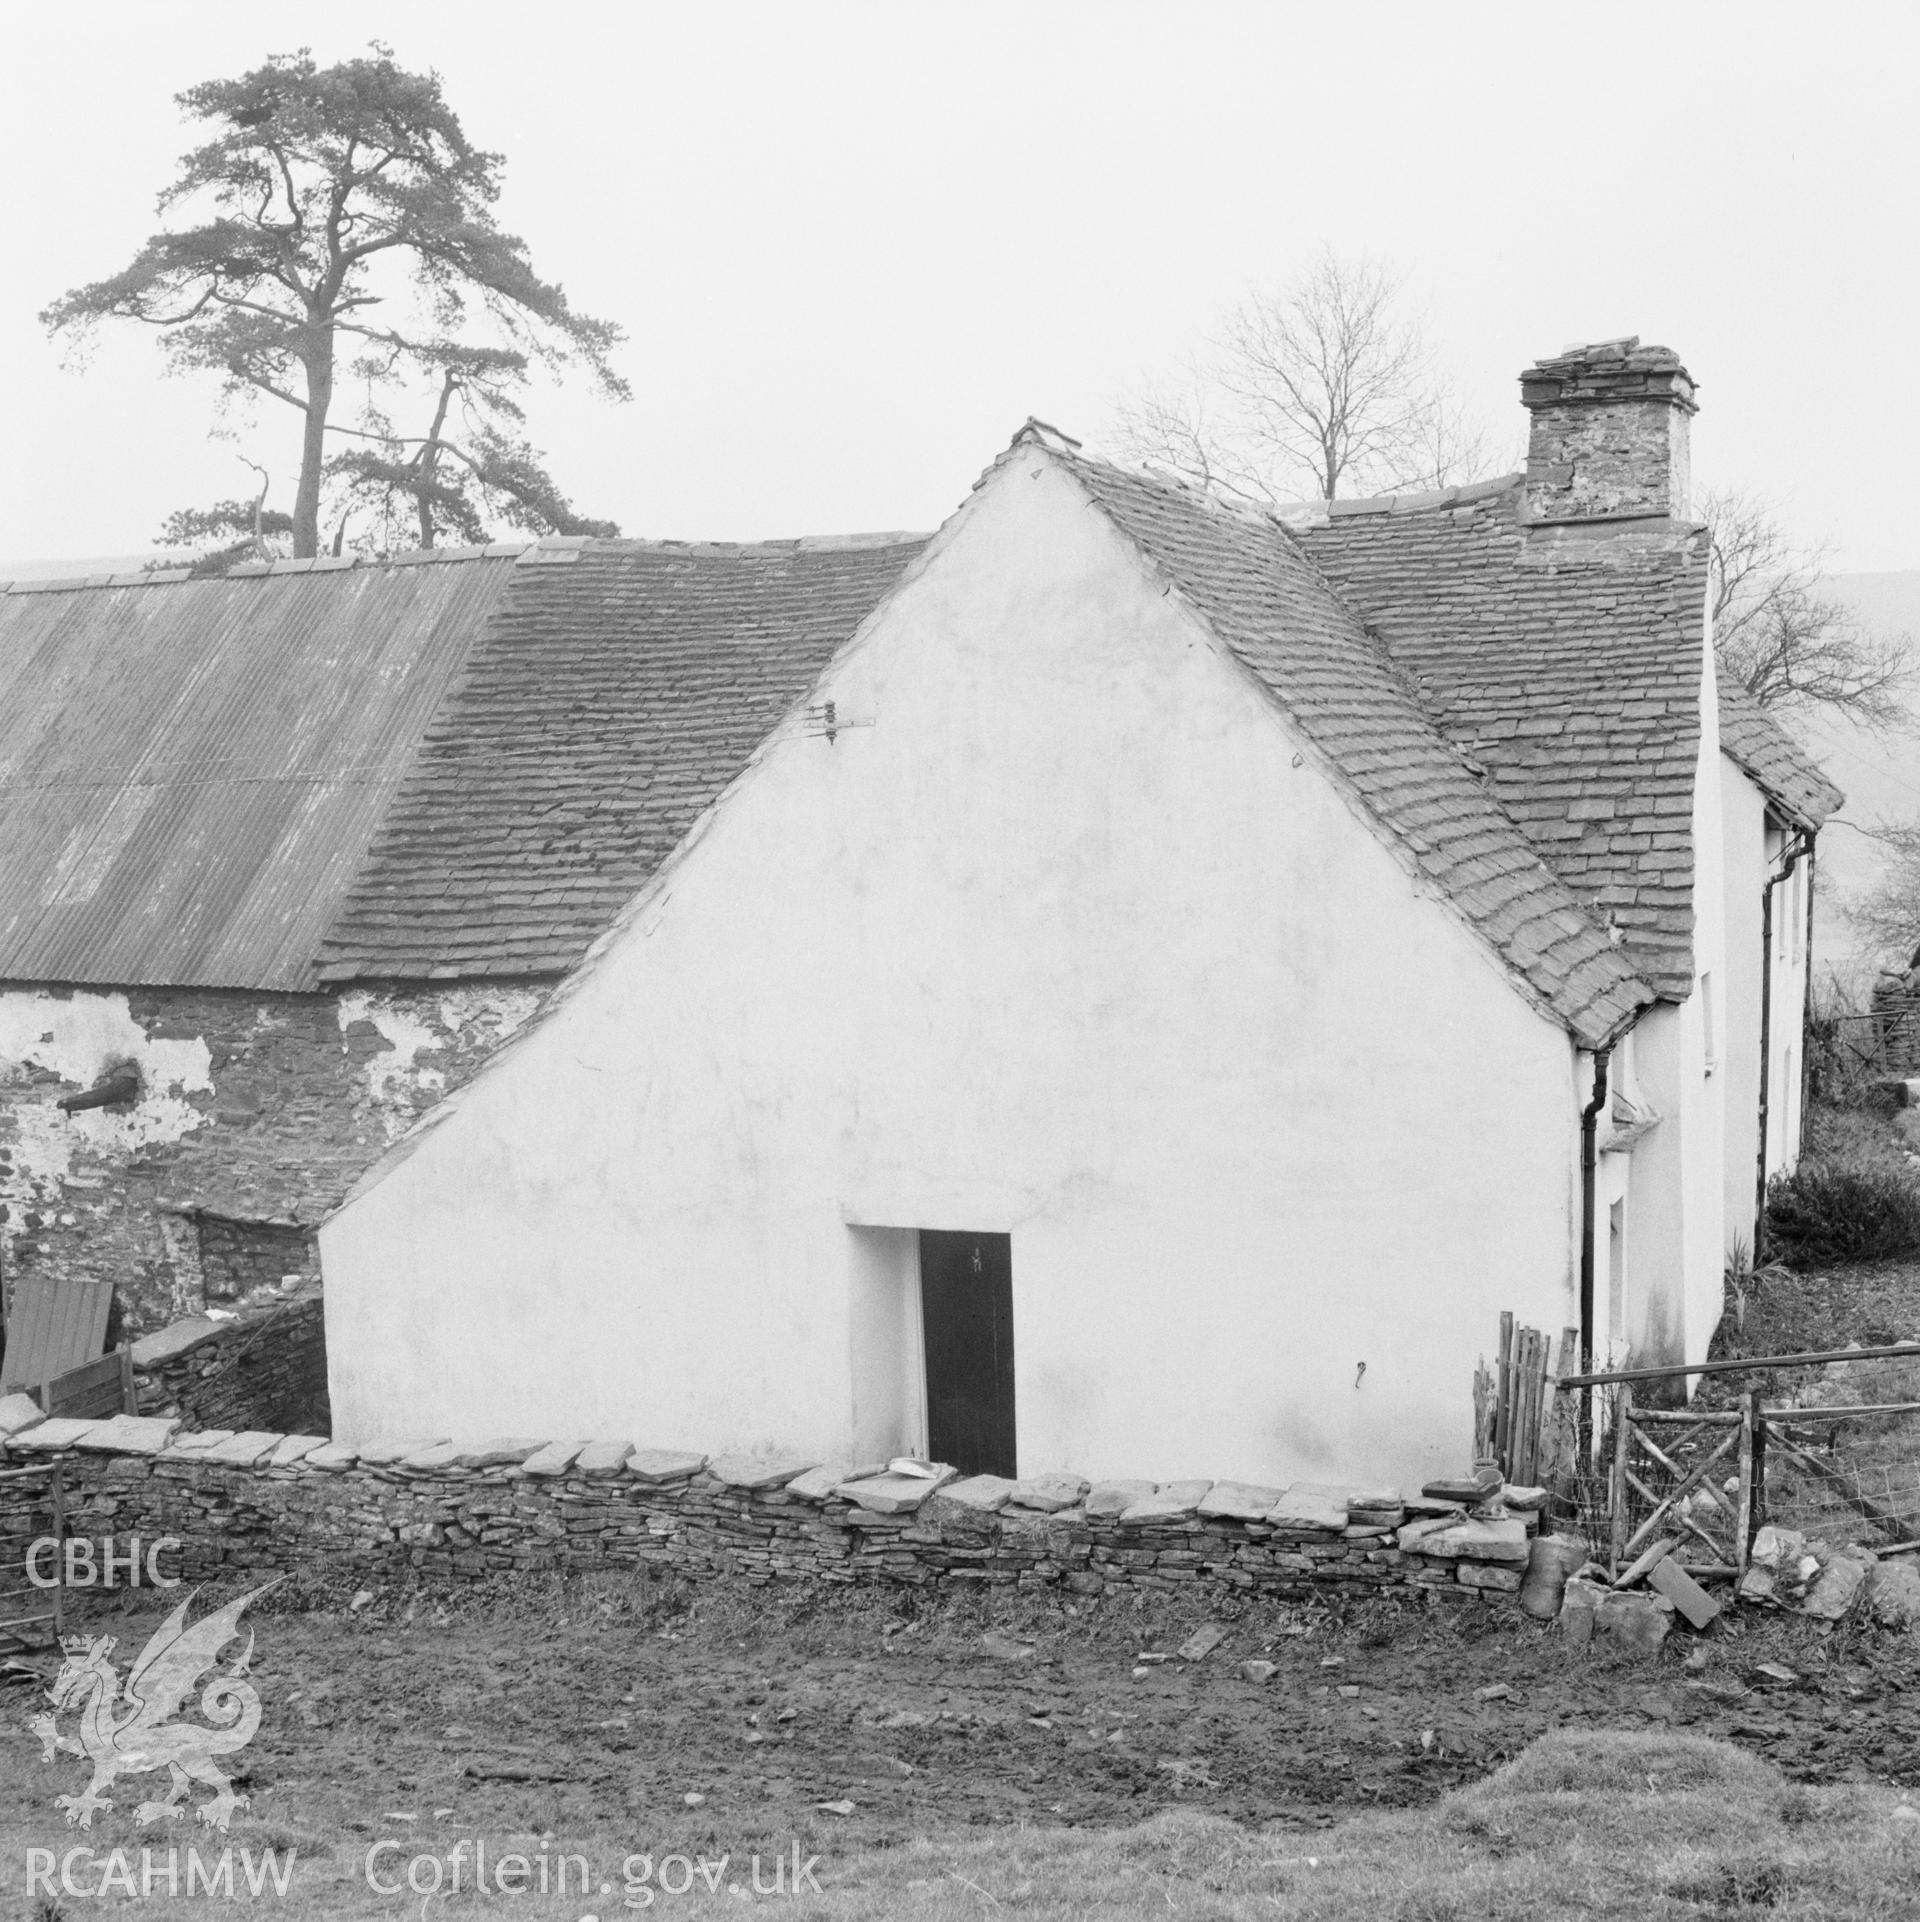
x=423, y=1507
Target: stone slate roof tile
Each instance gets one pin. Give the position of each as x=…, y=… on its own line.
x=615, y=690
x=1248, y=578
x=1567, y=663
x=1774, y=760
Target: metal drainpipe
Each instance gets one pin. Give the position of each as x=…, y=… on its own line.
x=1791, y=855
x=1806, y=1005
x=1759, y=1254
x=1589, y=1182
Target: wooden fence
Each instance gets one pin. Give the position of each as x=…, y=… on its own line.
x=1514, y=1404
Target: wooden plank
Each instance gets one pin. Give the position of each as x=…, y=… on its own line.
x=57, y=1488
x=1645, y=1561
x=1743, y=1529
x=1503, y=1407
x=1516, y=1457
x=90, y=1374
x=1567, y=1407
x=1617, y=1375
x=129, y=1384
x=1684, y=1418
x=1536, y=1403
x=91, y=1315
x=94, y=1388
x=1807, y=1417
x=1622, y=1441
x=1531, y=1405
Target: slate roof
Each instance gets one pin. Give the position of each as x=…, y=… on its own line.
x=1249, y=579
x=1777, y=764
x=190, y=771
x=610, y=700
x=1567, y=662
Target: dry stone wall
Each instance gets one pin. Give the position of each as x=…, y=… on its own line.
x=253, y=1504
x=255, y=1113
x=264, y=1370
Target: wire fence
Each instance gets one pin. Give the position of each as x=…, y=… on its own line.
x=1836, y=1459
x=1846, y=1479
x=1883, y=1042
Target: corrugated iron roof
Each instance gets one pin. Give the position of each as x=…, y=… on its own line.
x=190, y=772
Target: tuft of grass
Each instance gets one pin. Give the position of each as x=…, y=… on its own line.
x=1623, y=1762
x=1733, y=1885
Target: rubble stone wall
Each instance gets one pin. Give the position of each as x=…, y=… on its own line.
x=256, y=1112
x=278, y=1505
x=268, y=1371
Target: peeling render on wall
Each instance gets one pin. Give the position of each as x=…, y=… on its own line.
x=413, y=1025
x=253, y=1107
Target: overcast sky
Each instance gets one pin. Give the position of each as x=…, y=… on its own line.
x=854, y=246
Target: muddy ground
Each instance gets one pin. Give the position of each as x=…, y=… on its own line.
x=601, y=1705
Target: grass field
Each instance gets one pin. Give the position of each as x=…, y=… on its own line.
x=1626, y=1824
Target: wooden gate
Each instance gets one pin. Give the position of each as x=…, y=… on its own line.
x=1686, y=1476
x=32, y=1508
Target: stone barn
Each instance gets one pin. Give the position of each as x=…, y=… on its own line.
x=285, y=854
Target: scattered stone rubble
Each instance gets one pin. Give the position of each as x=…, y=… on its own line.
x=1787, y=1570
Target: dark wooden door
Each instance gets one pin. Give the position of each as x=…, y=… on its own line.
x=966, y=1308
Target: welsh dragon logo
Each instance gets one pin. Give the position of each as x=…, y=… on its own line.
x=130, y=1729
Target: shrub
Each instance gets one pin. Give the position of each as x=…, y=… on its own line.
x=1843, y=1207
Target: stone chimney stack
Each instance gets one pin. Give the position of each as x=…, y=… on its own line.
x=1609, y=434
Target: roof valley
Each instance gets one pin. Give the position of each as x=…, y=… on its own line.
x=1293, y=625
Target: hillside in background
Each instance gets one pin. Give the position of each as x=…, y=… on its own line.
x=1881, y=776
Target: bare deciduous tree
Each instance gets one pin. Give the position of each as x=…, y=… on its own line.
x=1886, y=914
x=1327, y=386
x=1789, y=641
